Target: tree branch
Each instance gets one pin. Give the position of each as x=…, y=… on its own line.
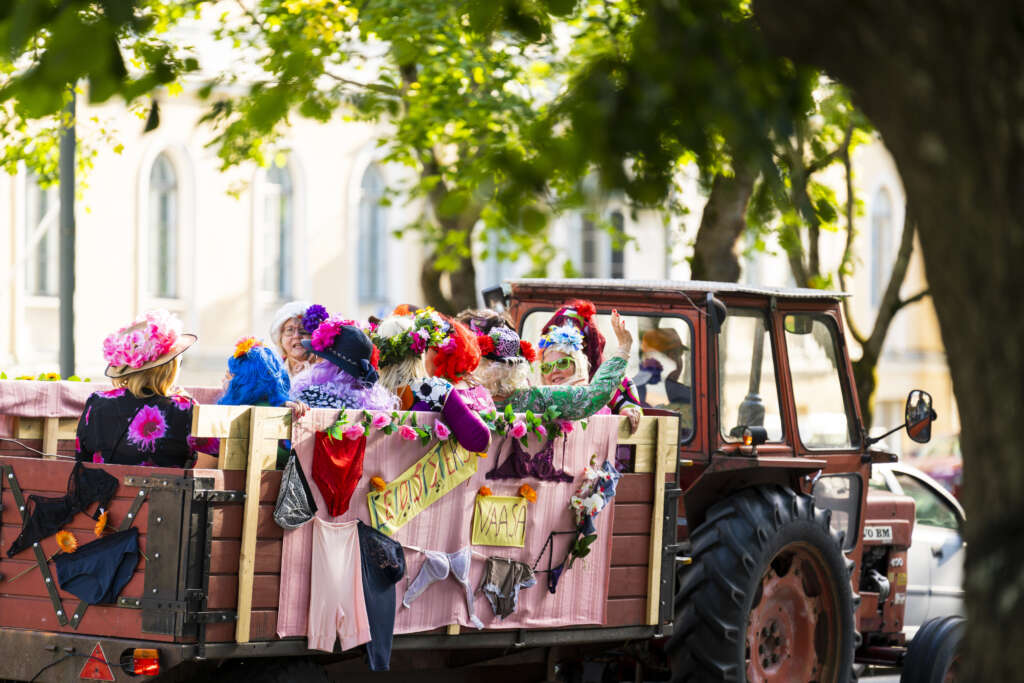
x=365, y=86
x=913, y=299
x=891, y=299
x=847, y=258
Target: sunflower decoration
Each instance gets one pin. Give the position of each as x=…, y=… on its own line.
x=101, y=524
x=378, y=484
x=526, y=491
x=67, y=542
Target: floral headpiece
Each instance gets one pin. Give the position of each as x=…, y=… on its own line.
x=245, y=345
x=428, y=330
x=502, y=343
x=565, y=338
x=329, y=328
x=313, y=316
x=150, y=336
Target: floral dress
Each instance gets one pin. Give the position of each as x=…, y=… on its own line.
x=119, y=428
x=571, y=402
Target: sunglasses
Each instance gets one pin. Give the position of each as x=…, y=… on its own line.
x=561, y=364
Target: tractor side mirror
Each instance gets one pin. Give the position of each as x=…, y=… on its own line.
x=495, y=298
x=716, y=313
x=919, y=416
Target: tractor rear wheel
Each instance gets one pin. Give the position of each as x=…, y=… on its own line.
x=767, y=597
x=934, y=654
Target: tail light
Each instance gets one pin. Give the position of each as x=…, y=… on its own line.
x=142, y=662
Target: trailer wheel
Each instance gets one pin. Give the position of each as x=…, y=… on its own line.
x=259, y=670
x=934, y=654
x=767, y=597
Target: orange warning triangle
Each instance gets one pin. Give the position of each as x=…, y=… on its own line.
x=96, y=667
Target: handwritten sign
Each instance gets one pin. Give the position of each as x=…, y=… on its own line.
x=444, y=467
x=499, y=520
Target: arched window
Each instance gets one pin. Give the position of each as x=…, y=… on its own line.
x=42, y=218
x=278, y=233
x=373, y=232
x=163, y=229
x=881, y=243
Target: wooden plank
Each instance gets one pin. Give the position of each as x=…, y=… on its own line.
x=643, y=460
x=79, y=523
x=224, y=556
x=234, y=454
x=628, y=582
x=224, y=591
x=233, y=422
x=31, y=585
x=33, y=427
x=50, y=426
x=667, y=429
x=646, y=432
x=632, y=518
x=227, y=522
x=263, y=627
x=625, y=611
x=629, y=551
x=634, y=488
x=250, y=520
x=234, y=480
x=36, y=614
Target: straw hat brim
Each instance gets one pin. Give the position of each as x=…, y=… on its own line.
x=180, y=346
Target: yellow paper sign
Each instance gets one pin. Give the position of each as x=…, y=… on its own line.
x=444, y=467
x=499, y=520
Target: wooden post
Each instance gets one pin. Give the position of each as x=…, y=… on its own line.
x=250, y=522
x=664, y=455
x=51, y=427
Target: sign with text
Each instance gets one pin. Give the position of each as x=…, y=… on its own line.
x=499, y=520
x=444, y=467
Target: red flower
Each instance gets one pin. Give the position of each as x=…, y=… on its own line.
x=526, y=348
x=375, y=358
x=486, y=344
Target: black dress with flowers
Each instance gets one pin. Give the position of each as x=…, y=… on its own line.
x=119, y=428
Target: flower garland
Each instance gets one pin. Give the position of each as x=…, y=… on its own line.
x=549, y=424
x=403, y=423
x=428, y=331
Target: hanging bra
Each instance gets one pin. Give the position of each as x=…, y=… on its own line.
x=520, y=464
x=48, y=514
x=438, y=566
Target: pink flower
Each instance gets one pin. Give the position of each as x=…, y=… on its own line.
x=518, y=429
x=97, y=458
x=182, y=403
x=566, y=426
x=146, y=428
x=441, y=431
x=408, y=433
x=448, y=346
x=417, y=344
x=112, y=393
x=380, y=421
x=353, y=431
x=323, y=336
x=541, y=431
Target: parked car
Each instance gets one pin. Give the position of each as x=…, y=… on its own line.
x=936, y=558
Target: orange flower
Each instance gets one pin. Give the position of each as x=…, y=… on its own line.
x=527, y=492
x=378, y=484
x=101, y=524
x=67, y=542
x=484, y=491
x=244, y=345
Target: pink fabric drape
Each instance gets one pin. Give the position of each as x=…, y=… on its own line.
x=446, y=526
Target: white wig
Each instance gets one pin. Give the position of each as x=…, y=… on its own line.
x=292, y=309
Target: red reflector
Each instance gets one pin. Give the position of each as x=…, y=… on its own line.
x=145, y=662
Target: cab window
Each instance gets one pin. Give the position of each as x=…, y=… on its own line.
x=660, y=363
x=929, y=508
x=822, y=414
x=748, y=395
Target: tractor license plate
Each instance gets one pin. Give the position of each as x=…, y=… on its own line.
x=878, y=533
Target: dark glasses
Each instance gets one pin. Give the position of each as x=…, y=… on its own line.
x=563, y=363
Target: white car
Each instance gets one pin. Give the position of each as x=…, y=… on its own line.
x=937, y=548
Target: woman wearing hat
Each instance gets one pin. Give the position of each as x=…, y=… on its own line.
x=349, y=377
x=293, y=323
x=143, y=420
x=572, y=349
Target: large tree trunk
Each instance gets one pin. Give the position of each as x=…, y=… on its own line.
x=721, y=225
x=942, y=80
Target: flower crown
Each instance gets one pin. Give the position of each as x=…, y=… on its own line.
x=428, y=331
x=563, y=338
x=502, y=343
x=245, y=345
x=150, y=336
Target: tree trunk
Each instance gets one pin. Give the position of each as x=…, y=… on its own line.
x=721, y=225
x=461, y=285
x=942, y=82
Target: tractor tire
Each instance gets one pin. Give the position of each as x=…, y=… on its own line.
x=767, y=597
x=934, y=654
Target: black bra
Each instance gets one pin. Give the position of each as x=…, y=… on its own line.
x=48, y=514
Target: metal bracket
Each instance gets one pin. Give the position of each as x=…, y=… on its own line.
x=212, y=496
x=212, y=617
x=178, y=607
x=158, y=482
x=667, y=597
